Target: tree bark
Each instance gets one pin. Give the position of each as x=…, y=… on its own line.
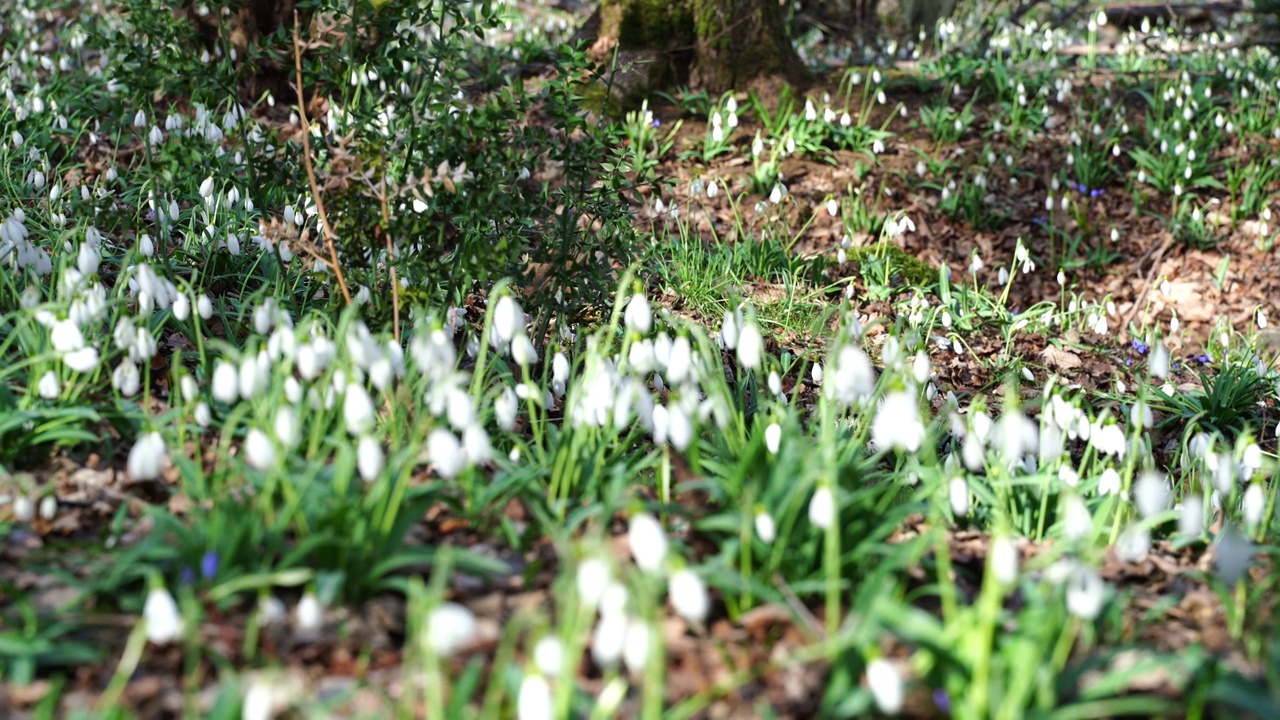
x=712, y=45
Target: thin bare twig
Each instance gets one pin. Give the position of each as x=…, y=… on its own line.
x=329, y=237
x=395, y=284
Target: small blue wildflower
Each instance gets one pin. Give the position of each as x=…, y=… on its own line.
x=657, y=123
x=1096, y=193
x=942, y=700
x=1128, y=362
x=209, y=564
x=187, y=576
x=1140, y=346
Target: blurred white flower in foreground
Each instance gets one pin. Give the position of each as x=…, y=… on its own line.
x=160, y=613
x=450, y=628
x=534, y=701
x=822, y=510
x=146, y=457
x=689, y=596
x=886, y=686
x=897, y=423
x=648, y=542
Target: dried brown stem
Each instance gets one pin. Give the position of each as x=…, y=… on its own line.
x=329, y=237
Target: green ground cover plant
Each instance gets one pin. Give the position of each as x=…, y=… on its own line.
x=368, y=368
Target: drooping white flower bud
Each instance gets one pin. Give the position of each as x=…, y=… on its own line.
x=886, y=686
x=822, y=510
x=689, y=596
x=146, y=457
x=161, y=616
x=648, y=542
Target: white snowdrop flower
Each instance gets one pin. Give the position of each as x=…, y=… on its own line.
x=476, y=446
x=833, y=207
x=958, y=494
x=1261, y=319
x=1077, y=522
x=48, y=386
x=88, y=259
x=450, y=628
x=1191, y=516
x=48, y=507
x=1253, y=505
x=286, y=428
x=729, y=328
x=225, y=384
x=548, y=655
x=920, y=367
x=260, y=700
x=636, y=644
x=1085, y=592
x=147, y=457
x=854, y=378
x=258, y=450
x=204, y=307
x=1158, y=364
x=638, y=315
x=508, y=319
x=126, y=378
x=206, y=188
x=505, y=408
x=446, y=453
x=766, y=530
x=308, y=615
x=1004, y=560
x=1151, y=494
x=750, y=347
x=1232, y=555
x=24, y=511
x=66, y=336
x=885, y=684
x=202, y=415
x=593, y=577
x=181, y=307
x=523, y=351
x=897, y=423
x=648, y=542
x=1109, y=483
x=140, y=119
x=146, y=246
x=459, y=409
x=680, y=361
x=534, y=701
x=815, y=373
x=1251, y=459
x=252, y=378
x=773, y=438
x=370, y=459
x=1224, y=472
x=689, y=596
x=822, y=509
x=1133, y=544
x=609, y=639
x=161, y=616
x=775, y=384
x=775, y=195
x=679, y=428
x=560, y=372
x=357, y=410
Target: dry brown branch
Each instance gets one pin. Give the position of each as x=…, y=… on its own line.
x=329, y=238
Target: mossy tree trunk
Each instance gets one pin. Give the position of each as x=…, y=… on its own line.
x=712, y=45
x=740, y=40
